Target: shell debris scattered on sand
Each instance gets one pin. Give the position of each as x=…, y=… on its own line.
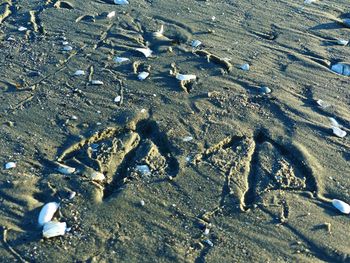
x=65, y=169
x=54, y=229
x=186, y=77
x=96, y=82
x=79, y=73
x=147, y=52
x=121, y=2
x=341, y=68
x=120, y=59
x=341, y=206
x=143, y=75
x=338, y=132
x=10, y=165
x=47, y=212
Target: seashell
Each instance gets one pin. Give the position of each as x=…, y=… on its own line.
x=71, y=195
x=160, y=32
x=187, y=138
x=143, y=75
x=346, y=22
x=47, y=212
x=196, y=43
x=65, y=43
x=334, y=122
x=10, y=165
x=22, y=28
x=245, y=67
x=342, y=42
x=67, y=48
x=54, y=229
x=338, y=132
x=142, y=203
x=209, y=242
x=111, y=14
x=97, y=176
x=322, y=104
x=309, y=1
x=120, y=59
x=186, y=77
x=143, y=169
x=65, y=169
x=117, y=99
x=341, y=68
x=265, y=90
x=147, y=52
x=206, y=231
x=341, y=206
x=121, y=2
x=79, y=73
x=96, y=82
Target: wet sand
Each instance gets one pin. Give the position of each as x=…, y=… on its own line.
x=207, y=170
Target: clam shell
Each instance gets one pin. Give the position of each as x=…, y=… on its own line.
x=95, y=176
x=22, y=28
x=54, y=229
x=334, y=122
x=111, y=14
x=265, y=90
x=96, y=82
x=196, y=43
x=10, y=165
x=245, y=67
x=186, y=77
x=67, y=48
x=322, y=104
x=79, y=73
x=143, y=75
x=120, y=59
x=342, y=42
x=147, y=52
x=121, y=2
x=64, y=169
x=341, y=68
x=341, y=206
x=47, y=212
x=338, y=132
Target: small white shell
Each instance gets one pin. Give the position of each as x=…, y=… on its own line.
x=309, y=1
x=54, y=229
x=186, y=77
x=65, y=43
x=96, y=82
x=111, y=14
x=67, y=48
x=160, y=32
x=334, y=122
x=79, y=73
x=121, y=2
x=117, y=99
x=65, y=169
x=338, y=132
x=147, y=52
x=341, y=68
x=10, y=165
x=265, y=90
x=47, y=212
x=245, y=67
x=143, y=169
x=97, y=176
x=187, y=138
x=22, y=28
x=322, y=104
x=341, y=206
x=196, y=43
x=120, y=59
x=143, y=75
x=342, y=42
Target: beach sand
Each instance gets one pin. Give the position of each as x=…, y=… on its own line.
x=213, y=169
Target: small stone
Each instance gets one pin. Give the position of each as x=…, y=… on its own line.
x=209, y=242
x=341, y=206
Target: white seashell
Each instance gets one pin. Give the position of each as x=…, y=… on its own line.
x=10, y=165
x=65, y=169
x=187, y=138
x=22, y=28
x=121, y=2
x=79, y=73
x=322, y=104
x=206, y=231
x=96, y=82
x=117, y=99
x=196, y=43
x=143, y=75
x=186, y=77
x=265, y=90
x=309, y=1
x=143, y=169
x=160, y=32
x=245, y=67
x=341, y=68
x=111, y=14
x=342, y=42
x=341, y=206
x=72, y=195
x=147, y=52
x=209, y=242
x=120, y=59
x=338, y=132
x=142, y=203
x=54, y=229
x=334, y=122
x=65, y=43
x=47, y=212
x=97, y=176
x=67, y=48
x=143, y=111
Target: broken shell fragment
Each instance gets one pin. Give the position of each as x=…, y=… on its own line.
x=22, y=28
x=54, y=229
x=341, y=68
x=65, y=169
x=120, y=59
x=147, y=52
x=111, y=14
x=322, y=104
x=143, y=169
x=186, y=77
x=338, y=132
x=196, y=43
x=341, y=206
x=79, y=73
x=117, y=99
x=96, y=176
x=121, y=2
x=187, y=138
x=10, y=165
x=96, y=82
x=334, y=122
x=245, y=67
x=160, y=32
x=47, y=212
x=265, y=90
x=342, y=42
x=67, y=48
x=143, y=75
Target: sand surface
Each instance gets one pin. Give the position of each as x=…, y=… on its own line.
x=207, y=170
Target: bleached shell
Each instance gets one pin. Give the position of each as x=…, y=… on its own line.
x=196, y=43
x=111, y=14
x=121, y=2
x=143, y=75
x=334, y=122
x=322, y=104
x=341, y=206
x=147, y=52
x=117, y=99
x=342, y=42
x=245, y=67
x=186, y=77
x=265, y=90
x=47, y=212
x=187, y=138
x=338, y=132
x=10, y=165
x=64, y=169
x=341, y=68
x=67, y=48
x=309, y=1
x=22, y=28
x=97, y=176
x=96, y=82
x=54, y=229
x=143, y=169
x=79, y=73
x=120, y=59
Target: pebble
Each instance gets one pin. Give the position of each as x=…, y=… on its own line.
x=342, y=42
x=64, y=169
x=341, y=206
x=142, y=203
x=341, y=68
x=206, y=231
x=147, y=52
x=10, y=165
x=334, y=122
x=322, y=104
x=117, y=99
x=97, y=176
x=71, y=195
x=186, y=77
x=187, y=138
x=245, y=67
x=209, y=242
x=111, y=14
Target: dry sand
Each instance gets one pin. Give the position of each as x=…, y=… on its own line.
x=257, y=170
